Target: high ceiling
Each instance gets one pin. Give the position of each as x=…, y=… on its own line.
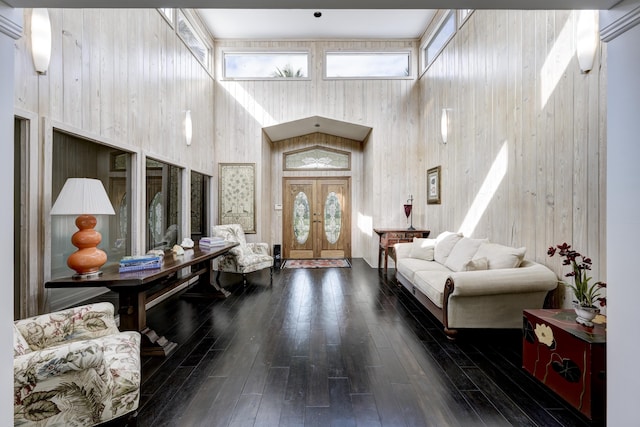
x=324, y=4
x=301, y=24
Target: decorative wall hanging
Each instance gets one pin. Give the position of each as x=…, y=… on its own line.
x=433, y=186
x=237, y=195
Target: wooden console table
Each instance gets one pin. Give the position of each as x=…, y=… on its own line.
x=567, y=357
x=136, y=288
x=391, y=236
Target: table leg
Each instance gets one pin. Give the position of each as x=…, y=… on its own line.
x=386, y=258
x=133, y=317
x=205, y=288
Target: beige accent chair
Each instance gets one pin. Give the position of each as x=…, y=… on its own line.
x=74, y=368
x=244, y=258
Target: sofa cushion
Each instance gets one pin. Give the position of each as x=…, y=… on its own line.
x=444, y=244
x=422, y=248
x=500, y=256
x=431, y=283
x=477, y=264
x=462, y=253
x=409, y=266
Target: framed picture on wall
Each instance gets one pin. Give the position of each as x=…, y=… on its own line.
x=237, y=195
x=433, y=186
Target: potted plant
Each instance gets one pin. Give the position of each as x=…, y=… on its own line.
x=586, y=294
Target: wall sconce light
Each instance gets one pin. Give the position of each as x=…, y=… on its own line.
x=40, y=39
x=188, y=127
x=587, y=39
x=444, y=125
x=84, y=198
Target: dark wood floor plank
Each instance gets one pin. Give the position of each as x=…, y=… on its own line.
x=160, y=405
x=323, y=347
x=195, y=412
x=410, y=407
x=443, y=405
x=487, y=412
x=507, y=409
x=244, y=414
x=317, y=371
x=341, y=409
x=297, y=381
x=365, y=410
x=389, y=409
x=272, y=398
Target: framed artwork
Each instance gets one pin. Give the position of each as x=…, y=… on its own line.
x=237, y=195
x=433, y=186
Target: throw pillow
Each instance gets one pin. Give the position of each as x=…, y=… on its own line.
x=500, y=256
x=462, y=253
x=422, y=248
x=444, y=244
x=476, y=264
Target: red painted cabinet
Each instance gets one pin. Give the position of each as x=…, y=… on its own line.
x=567, y=357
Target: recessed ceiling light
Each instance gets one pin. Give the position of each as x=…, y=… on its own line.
x=317, y=14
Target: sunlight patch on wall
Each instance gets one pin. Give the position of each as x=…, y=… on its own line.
x=365, y=224
x=487, y=191
x=557, y=61
x=248, y=102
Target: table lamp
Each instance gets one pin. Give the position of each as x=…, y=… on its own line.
x=84, y=197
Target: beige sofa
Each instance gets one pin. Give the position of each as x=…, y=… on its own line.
x=472, y=283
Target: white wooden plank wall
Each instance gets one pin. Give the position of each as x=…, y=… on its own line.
x=492, y=78
x=124, y=76
x=120, y=77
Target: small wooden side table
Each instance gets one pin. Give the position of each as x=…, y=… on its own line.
x=567, y=357
x=391, y=236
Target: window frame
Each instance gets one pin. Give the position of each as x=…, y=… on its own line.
x=225, y=52
x=463, y=16
x=424, y=60
x=408, y=52
x=169, y=17
x=198, y=34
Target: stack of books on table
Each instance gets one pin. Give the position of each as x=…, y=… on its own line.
x=140, y=262
x=211, y=242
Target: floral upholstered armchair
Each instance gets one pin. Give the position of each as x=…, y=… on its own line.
x=74, y=368
x=244, y=258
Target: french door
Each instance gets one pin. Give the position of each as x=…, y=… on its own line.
x=316, y=218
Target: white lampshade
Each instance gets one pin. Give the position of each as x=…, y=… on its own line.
x=82, y=196
x=40, y=39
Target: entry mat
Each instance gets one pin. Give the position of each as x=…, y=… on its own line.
x=316, y=263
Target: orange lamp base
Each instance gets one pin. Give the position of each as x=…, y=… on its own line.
x=88, y=259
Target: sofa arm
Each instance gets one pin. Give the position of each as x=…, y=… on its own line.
x=40, y=365
x=531, y=277
x=402, y=249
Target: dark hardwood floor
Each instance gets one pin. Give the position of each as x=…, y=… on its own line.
x=343, y=347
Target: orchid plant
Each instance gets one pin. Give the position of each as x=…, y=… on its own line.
x=586, y=294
